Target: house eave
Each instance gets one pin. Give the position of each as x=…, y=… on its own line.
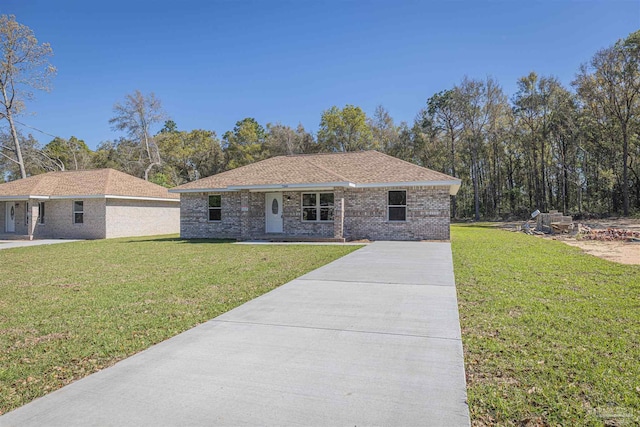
x=201, y=190
x=454, y=186
x=158, y=199
x=298, y=187
x=267, y=187
x=21, y=198
x=86, y=196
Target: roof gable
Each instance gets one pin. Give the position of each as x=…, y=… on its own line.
x=351, y=169
x=94, y=182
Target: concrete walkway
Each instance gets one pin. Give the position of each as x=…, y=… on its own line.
x=9, y=244
x=370, y=339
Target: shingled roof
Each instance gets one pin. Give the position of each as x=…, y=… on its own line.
x=92, y=183
x=352, y=169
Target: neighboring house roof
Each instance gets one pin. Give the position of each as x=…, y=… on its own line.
x=351, y=169
x=95, y=183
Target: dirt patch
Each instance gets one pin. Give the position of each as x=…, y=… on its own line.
x=626, y=223
x=617, y=251
x=69, y=285
x=622, y=252
x=32, y=341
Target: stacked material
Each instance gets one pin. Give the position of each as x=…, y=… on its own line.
x=608, y=234
x=554, y=222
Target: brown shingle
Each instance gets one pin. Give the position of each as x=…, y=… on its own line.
x=95, y=182
x=364, y=167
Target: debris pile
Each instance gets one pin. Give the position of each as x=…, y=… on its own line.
x=554, y=223
x=526, y=228
x=607, y=235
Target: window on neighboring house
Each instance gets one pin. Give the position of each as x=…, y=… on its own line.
x=215, y=207
x=41, y=212
x=397, y=205
x=78, y=212
x=317, y=206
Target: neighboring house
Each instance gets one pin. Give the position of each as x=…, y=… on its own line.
x=336, y=196
x=86, y=204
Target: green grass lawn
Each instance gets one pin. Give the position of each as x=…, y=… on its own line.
x=71, y=309
x=551, y=335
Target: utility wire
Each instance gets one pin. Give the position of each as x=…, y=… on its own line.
x=36, y=129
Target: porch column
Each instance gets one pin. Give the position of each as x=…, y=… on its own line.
x=244, y=214
x=338, y=213
x=32, y=217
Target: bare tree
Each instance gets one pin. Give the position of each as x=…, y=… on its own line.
x=136, y=116
x=281, y=140
x=34, y=160
x=446, y=117
x=67, y=154
x=385, y=133
x=481, y=103
x=24, y=66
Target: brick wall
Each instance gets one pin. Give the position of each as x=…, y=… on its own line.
x=292, y=216
x=194, y=217
x=364, y=217
x=365, y=214
x=21, y=225
x=58, y=223
x=256, y=214
x=141, y=217
x=102, y=218
x=3, y=211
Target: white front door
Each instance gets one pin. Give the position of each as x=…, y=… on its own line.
x=10, y=217
x=273, y=212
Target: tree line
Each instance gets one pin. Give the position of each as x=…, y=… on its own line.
x=575, y=149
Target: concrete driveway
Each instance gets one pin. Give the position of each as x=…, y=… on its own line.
x=370, y=339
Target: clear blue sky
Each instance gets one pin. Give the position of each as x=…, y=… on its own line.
x=213, y=62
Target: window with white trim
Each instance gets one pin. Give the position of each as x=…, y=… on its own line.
x=317, y=207
x=78, y=212
x=41, y=212
x=397, y=205
x=215, y=207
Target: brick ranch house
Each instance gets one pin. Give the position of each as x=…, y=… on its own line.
x=86, y=204
x=336, y=196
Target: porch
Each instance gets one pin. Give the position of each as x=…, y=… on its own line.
x=288, y=238
x=18, y=218
x=14, y=236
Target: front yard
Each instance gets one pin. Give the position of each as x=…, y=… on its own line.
x=69, y=310
x=551, y=335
